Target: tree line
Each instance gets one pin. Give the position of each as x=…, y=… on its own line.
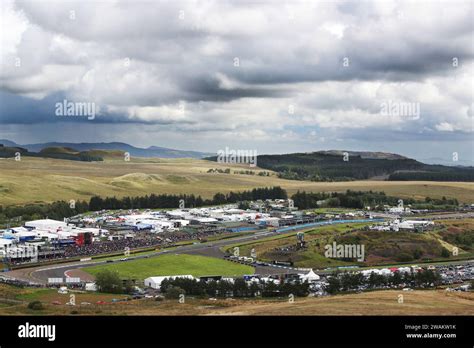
x=319, y=166
x=362, y=199
x=352, y=281
x=238, y=288
x=465, y=175
x=303, y=200
x=190, y=201
x=57, y=211
x=61, y=209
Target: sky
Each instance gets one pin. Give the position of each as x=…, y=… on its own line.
x=269, y=76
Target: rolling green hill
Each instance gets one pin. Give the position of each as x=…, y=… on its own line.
x=36, y=180
x=59, y=152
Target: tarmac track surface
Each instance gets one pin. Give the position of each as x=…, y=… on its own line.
x=212, y=249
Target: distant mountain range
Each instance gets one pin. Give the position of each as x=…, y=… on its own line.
x=330, y=165
x=152, y=151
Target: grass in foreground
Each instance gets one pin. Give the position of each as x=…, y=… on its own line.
x=418, y=302
x=173, y=265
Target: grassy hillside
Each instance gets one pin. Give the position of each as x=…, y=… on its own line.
x=45, y=180
x=58, y=152
x=418, y=302
x=152, y=151
x=380, y=247
x=458, y=233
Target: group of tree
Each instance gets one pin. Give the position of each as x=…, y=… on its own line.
x=352, y=281
x=219, y=170
x=61, y=209
x=461, y=174
x=190, y=201
x=362, y=199
x=56, y=210
x=110, y=282
x=238, y=288
x=318, y=166
x=303, y=200
x=242, y=172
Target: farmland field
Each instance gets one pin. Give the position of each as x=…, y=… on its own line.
x=173, y=265
x=45, y=180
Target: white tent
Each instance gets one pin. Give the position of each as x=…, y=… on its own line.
x=310, y=276
x=46, y=224
x=5, y=242
x=155, y=282
x=91, y=287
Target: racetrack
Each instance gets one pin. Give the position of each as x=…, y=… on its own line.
x=42, y=273
x=212, y=249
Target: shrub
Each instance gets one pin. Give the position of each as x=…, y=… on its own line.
x=445, y=253
x=109, y=281
x=174, y=292
x=35, y=305
x=403, y=257
x=417, y=254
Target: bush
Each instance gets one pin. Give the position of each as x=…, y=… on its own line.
x=35, y=305
x=109, y=281
x=417, y=254
x=404, y=257
x=445, y=253
x=174, y=292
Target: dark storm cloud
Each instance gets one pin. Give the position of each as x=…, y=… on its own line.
x=209, y=89
x=172, y=64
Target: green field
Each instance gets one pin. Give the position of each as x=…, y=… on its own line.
x=173, y=264
x=45, y=180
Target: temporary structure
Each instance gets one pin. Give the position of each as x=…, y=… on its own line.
x=155, y=282
x=310, y=276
